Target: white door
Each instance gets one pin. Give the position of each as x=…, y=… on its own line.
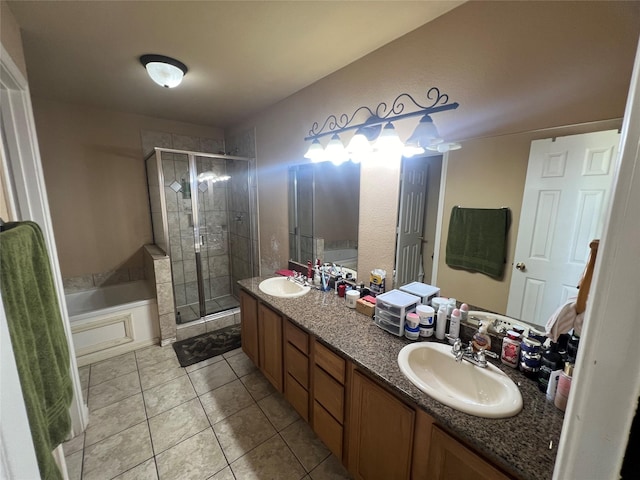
x=413, y=191
x=563, y=207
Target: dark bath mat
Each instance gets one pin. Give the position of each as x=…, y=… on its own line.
x=196, y=349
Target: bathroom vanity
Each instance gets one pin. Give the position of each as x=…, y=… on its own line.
x=340, y=373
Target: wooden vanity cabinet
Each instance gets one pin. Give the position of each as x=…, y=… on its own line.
x=249, y=326
x=296, y=368
x=375, y=433
x=381, y=432
x=449, y=459
x=329, y=378
x=261, y=332
x=270, y=345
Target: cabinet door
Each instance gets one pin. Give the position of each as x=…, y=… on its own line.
x=380, y=433
x=249, y=326
x=451, y=460
x=270, y=342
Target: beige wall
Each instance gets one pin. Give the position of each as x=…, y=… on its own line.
x=96, y=183
x=11, y=38
x=12, y=42
x=512, y=66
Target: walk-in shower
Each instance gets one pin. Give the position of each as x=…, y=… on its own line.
x=203, y=218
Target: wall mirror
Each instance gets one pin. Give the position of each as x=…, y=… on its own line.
x=324, y=205
x=492, y=172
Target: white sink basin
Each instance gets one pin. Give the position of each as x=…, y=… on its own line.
x=282, y=287
x=483, y=392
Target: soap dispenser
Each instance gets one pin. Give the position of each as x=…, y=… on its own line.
x=481, y=339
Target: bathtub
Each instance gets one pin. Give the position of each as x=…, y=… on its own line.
x=109, y=321
x=347, y=257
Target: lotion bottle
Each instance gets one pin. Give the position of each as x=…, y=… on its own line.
x=454, y=325
x=441, y=322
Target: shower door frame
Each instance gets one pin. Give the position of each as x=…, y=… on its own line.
x=198, y=241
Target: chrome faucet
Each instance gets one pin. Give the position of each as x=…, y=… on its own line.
x=466, y=353
x=299, y=279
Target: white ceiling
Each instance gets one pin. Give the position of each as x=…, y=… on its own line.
x=243, y=56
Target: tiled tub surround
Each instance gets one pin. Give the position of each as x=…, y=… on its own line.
x=219, y=419
x=90, y=281
x=158, y=271
x=525, y=444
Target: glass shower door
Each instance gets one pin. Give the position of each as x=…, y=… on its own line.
x=203, y=219
x=212, y=181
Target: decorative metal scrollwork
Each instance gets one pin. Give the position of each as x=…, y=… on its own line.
x=382, y=113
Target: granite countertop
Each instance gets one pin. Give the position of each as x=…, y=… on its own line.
x=525, y=444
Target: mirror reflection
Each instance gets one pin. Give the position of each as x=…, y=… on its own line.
x=492, y=173
x=324, y=204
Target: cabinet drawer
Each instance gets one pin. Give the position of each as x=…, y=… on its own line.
x=297, y=396
x=297, y=337
x=297, y=365
x=329, y=393
x=330, y=362
x=329, y=431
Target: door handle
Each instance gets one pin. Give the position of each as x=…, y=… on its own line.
x=521, y=266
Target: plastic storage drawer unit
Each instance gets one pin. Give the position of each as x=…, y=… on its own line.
x=422, y=290
x=392, y=308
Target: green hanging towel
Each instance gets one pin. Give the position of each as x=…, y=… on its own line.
x=478, y=240
x=38, y=339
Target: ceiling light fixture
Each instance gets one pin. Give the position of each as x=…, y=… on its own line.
x=424, y=137
x=165, y=71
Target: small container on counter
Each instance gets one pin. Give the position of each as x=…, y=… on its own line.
x=411, y=333
x=426, y=314
x=530, y=357
x=454, y=325
x=550, y=362
x=351, y=297
x=511, y=349
x=564, y=387
x=464, y=311
x=412, y=320
x=441, y=321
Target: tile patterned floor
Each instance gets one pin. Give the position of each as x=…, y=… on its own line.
x=219, y=419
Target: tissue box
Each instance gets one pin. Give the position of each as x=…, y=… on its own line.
x=365, y=307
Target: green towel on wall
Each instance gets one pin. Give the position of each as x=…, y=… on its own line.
x=38, y=339
x=478, y=239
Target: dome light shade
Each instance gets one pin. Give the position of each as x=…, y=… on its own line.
x=315, y=153
x=335, y=151
x=359, y=146
x=388, y=141
x=165, y=71
x=425, y=134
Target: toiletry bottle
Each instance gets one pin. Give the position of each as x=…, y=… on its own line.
x=454, y=325
x=450, y=306
x=464, y=312
x=511, y=349
x=550, y=362
x=481, y=339
x=572, y=348
x=564, y=387
x=441, y=322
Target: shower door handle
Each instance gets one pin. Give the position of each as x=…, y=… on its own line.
x=202, y=240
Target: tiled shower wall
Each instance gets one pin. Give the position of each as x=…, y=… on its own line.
x=243, y=207
x=227, y=215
